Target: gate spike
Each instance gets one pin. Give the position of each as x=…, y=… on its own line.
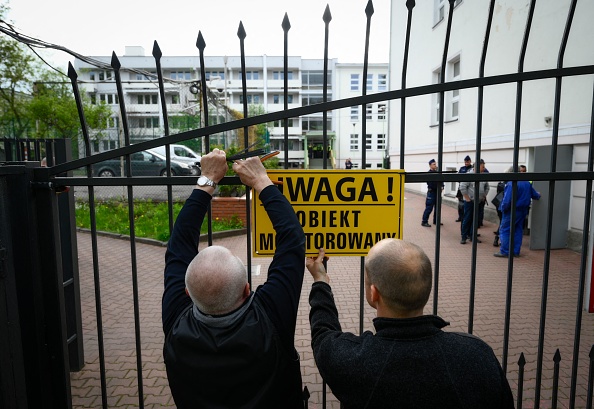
x=115, y=63
x=241, y=31
x=200, y=44
x=369, y=9
x=72, y=72
x=327, y=16
x=410, y=4
x=286, y=24
x=557, y=357
x=157, y=51
x=522, y=360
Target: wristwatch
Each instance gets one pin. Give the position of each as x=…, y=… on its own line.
x=204, y=181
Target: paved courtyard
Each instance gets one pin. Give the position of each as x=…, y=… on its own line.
x=453, y=305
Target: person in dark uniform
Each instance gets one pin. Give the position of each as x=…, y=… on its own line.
x=464, y=169
x=433, y=189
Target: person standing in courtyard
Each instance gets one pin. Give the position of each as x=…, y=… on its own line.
x=482, y=204
x=433, y=189
x=524, y=196
x=410, y=362
x=348, y=164
x=469, y=196
x=464, y=169
x=225, y=345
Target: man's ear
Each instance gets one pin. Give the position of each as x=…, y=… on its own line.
x=187, y=292
x=246, y=290
x=374, y=295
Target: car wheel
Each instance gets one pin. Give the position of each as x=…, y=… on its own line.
x=164, y=172
x=106, y=173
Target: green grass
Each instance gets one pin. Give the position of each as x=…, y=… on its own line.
x=151, y=219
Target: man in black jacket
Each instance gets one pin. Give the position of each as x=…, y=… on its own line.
x=226, y=346
x=410, y=362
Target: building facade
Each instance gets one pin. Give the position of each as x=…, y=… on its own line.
x=499, y=107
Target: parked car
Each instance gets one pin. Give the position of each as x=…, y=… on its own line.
x=179, y=153
x=145, y=163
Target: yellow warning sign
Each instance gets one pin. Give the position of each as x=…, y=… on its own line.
x=344, y=211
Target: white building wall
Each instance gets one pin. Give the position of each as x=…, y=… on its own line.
x=499, y=106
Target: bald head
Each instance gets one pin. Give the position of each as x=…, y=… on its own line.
x=216, y=281
x=401, y=272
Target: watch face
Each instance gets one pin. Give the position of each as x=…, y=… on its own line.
x=204, y=181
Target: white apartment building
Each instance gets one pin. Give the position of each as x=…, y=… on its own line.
x=349, y=121
x=265, y=86
x=429, y=25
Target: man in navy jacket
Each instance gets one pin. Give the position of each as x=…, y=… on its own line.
x=226, y=346
x=410, y=362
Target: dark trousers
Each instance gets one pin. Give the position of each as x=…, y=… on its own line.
x=430, y=203
x=461, y=209
x=481, y=212
x=466, y=226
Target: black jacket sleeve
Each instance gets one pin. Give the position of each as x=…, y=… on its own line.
x=181, y=250
x=281, y=292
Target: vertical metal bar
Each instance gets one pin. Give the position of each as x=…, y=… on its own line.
x=410, y=4
x=368, y=12
x=583, y=266
x=477, y=169
x=517, y=130
x=327, y=18
x=200, y=44
x=248, y=217
x=157, y=54
x=590, y=379
x=115, y=63
x=440, y=137
x=551, y=204
x=361, y=294
x=93, y=222
x=556, y=360
x=286, y=25
x=521, y=366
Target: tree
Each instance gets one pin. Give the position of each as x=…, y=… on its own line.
x=38, y=102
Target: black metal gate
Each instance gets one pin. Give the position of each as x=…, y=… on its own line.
x=32, y=245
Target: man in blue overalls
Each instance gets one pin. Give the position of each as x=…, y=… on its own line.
x=433, y=189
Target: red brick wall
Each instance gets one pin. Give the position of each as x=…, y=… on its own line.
x=227, y=207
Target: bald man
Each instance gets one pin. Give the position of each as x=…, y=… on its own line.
x=410, y=362
x=226, y=346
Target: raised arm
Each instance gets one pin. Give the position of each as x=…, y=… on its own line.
x=183, y=244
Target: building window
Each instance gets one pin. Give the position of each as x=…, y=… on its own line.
x=180, y=75
x=369, y=82
x=281, y=123
x=454, y=103
x=109, y=99
x=381, y=142
x=381, y=112
x=369, y=112
x=251, y=99
x=151, y=122
x=112, y=122
x=368, y=142
x=354, y=144
x=314, y=124
x=175, y=98
x=439, y=13
x=382, y=82
x=280, y=75
x=354, y=82
x=436, y=78
x=312, y=99
x=92, y=76
x=279, y=99
x=103, y=75
x=210, y=74
x=142, y=77
x=93, y=98
x=355, y=114
x=147, y=99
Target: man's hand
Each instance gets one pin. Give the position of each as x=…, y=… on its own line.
x=252, y=173
x=214, y=167
x=316, y=268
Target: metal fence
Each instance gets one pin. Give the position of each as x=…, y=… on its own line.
x=38, y=211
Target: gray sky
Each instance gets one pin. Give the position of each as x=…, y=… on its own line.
x=99, y=27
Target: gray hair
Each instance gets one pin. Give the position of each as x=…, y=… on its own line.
x=401, y=272
x=216, y=280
